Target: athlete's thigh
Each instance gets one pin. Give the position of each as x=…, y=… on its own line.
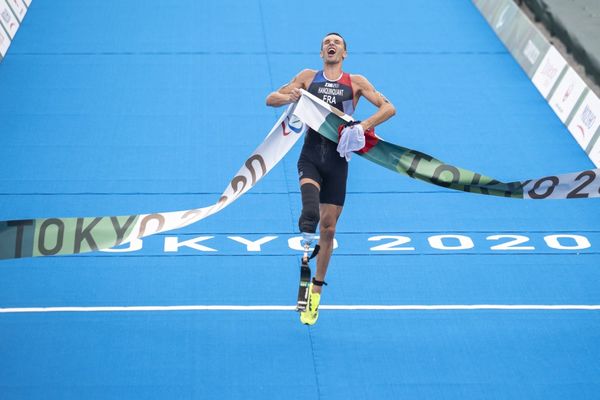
x=333, y=187
x=308, y=171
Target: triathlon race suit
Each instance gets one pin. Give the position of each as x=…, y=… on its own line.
x=319, y=159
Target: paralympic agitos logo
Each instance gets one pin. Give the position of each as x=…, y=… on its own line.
x=293, y=123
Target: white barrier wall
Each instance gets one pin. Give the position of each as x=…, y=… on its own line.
x=568, y=95
x=12, y=13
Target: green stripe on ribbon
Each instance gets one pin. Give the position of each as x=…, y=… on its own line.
x=424, y=167
x=324, y=119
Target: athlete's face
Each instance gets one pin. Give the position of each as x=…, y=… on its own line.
x=332, y=49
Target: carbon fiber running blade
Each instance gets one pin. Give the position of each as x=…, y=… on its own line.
x=304, y=285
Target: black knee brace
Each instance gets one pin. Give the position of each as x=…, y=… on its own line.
x=309, y=219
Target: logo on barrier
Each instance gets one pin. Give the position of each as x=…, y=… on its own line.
x=502, y=18
x=567, y=94
x=548, y=72
x=588, y=117
x=19, y=8
x=585, y=121
x=531, y=52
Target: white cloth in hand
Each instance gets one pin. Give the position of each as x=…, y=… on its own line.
x=352, y=139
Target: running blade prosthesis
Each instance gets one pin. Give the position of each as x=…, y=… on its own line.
x=305, y=278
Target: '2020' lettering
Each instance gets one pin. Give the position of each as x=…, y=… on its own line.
x=462, y=242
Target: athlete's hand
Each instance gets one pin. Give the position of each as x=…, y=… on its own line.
x=295, y=95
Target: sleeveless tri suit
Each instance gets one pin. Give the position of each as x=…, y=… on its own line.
x=319, y=159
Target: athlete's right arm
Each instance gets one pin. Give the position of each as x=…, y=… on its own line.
x=290, y=92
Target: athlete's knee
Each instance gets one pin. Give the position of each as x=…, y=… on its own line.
x=309, y=218
x=327, y=232
x=327, y=229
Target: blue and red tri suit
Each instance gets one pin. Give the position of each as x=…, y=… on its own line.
x=319, y=159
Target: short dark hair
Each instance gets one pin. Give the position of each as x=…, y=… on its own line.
x=336, y=34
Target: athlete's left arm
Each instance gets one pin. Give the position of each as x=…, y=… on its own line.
x=367, y=90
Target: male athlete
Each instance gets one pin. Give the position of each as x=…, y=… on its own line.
x=322, y=170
